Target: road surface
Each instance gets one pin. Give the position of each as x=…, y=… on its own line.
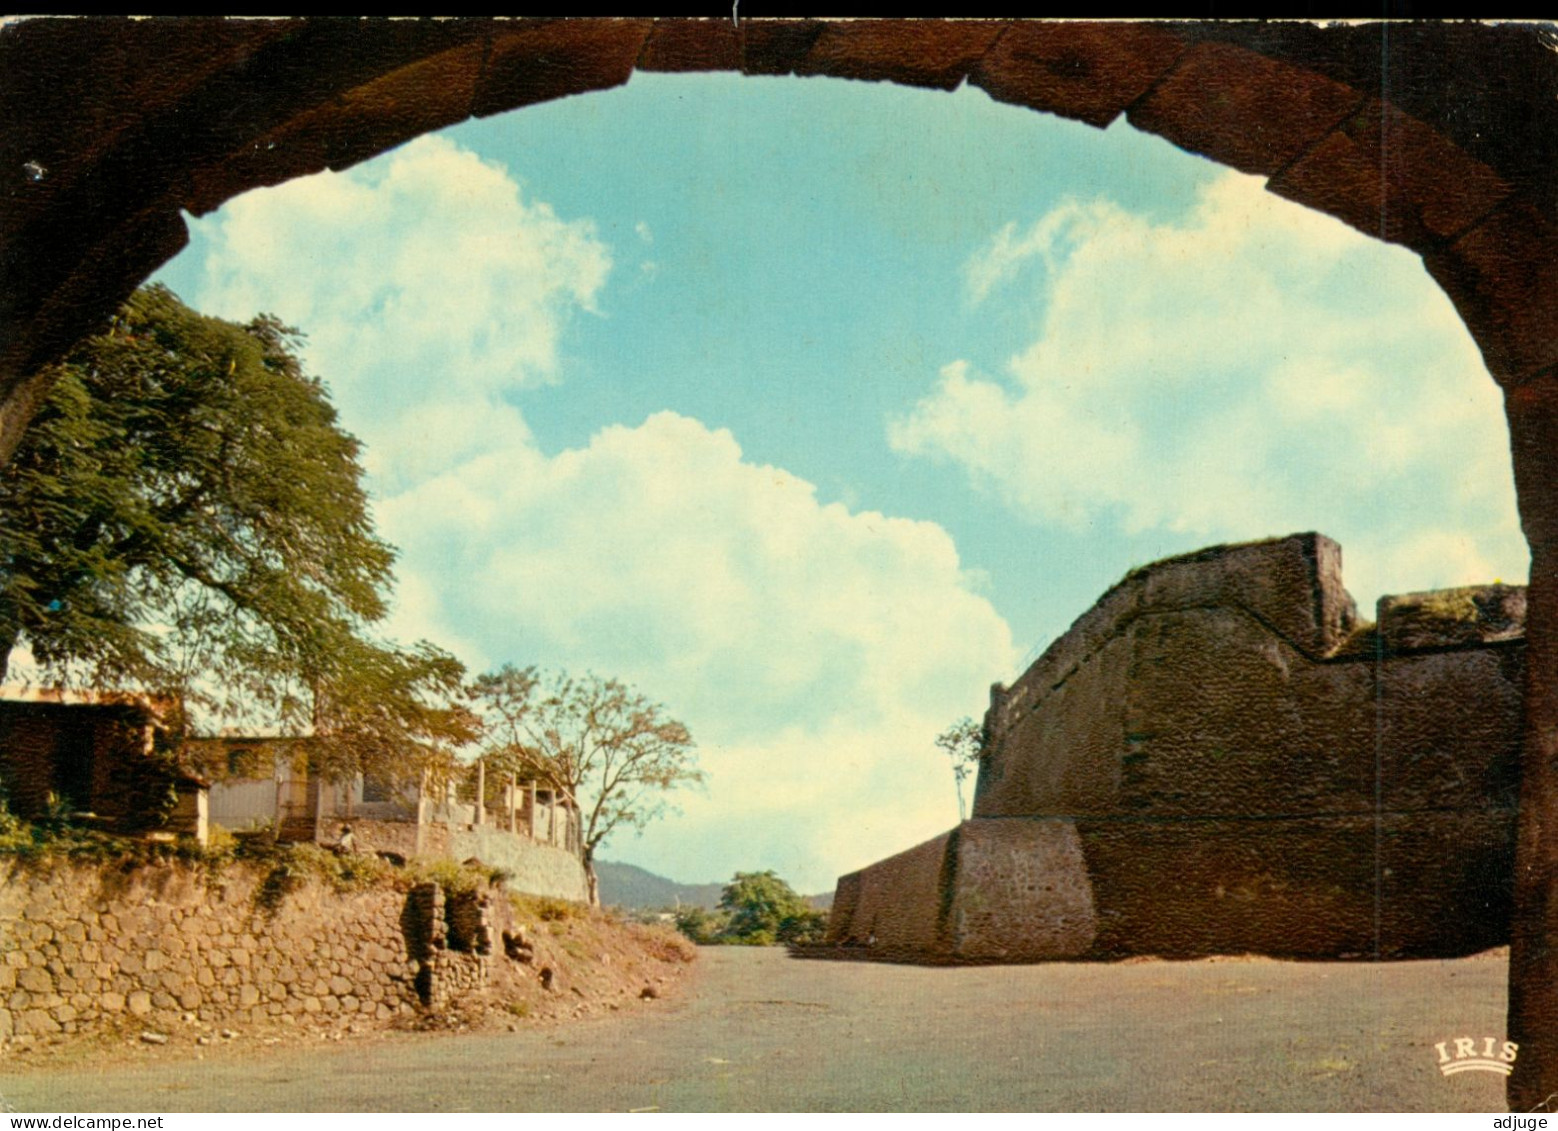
x=757, y=1031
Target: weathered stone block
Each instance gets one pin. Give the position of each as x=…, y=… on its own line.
x=691, y=45
x=1022, y=892
x=535, y=61
x=1088, y=71
x=37, y=1021
x=1502, y=276
x=935, y=54
x=1242, y=108
x=1392, y=177
x=777, y=47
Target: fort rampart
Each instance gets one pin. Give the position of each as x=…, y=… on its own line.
x=1218, y=757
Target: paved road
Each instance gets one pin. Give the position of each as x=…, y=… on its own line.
x=759, y=1031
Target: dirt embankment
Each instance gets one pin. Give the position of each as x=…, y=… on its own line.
x=584, y=960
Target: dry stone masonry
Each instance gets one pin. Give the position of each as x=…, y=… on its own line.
x=83, y=948
x=1218, y=757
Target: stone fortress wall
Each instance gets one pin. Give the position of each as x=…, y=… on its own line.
x=1218, y=757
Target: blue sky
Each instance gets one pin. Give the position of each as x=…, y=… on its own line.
x=811, y=407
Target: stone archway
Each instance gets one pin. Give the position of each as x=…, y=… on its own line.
x=1443, y=138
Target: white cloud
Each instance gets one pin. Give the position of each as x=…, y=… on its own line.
x=427, y=284
x=1252, y=369
x=814, y=651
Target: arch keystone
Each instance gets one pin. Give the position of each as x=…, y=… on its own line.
x=1087, y=71
x=937, y=55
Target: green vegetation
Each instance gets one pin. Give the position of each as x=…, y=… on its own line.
x=186, y=517
x=55, y=837
x=284, y=868
x=1450, y=605
x=704, y=927
x=756, y=909
x=185, y=473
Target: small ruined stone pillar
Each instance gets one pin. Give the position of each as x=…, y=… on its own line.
x=481, y=791
x=1532, y=409
x=513, y=803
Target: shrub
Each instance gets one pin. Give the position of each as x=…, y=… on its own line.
x=805, y=927
x=706, y=928
x=546, y=908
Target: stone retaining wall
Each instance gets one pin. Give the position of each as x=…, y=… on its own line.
x=84, y=948
x=533, y=868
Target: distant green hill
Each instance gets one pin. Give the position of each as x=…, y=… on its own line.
x=631, y=887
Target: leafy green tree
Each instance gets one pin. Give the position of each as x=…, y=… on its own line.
x=611, y=752
x=186, y=513
x=963, y=742
x=764, y=910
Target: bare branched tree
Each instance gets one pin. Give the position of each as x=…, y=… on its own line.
x=962, y=742
x=607, y=749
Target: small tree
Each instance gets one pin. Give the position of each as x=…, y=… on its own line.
x=610, y=751
x=963, y=742
x=764, y=910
